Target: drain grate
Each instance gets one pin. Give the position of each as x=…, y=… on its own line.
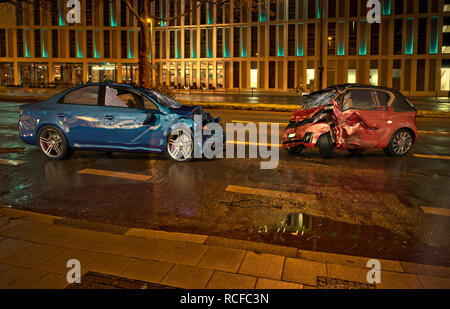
x=92, y=280
x=331, y=283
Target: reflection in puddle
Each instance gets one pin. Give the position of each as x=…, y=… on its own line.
x=308, y=232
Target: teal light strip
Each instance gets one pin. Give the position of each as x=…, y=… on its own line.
x=130, y=49
x=280, y=48
x=27, y=49
x=150, y=47
x=434, y=40
x=300, y=40
x=363, y=39
x=341, y=44
x=96, y=53
x=243, y=50
x=61, y=19
x=79, y=51
x=210, y=18
x=113, y=19
x=386, y=7
x=44, y=51
x=318, y=8
x=162, y=13
x=225, y=45
x=409, y=41
x=263, y=12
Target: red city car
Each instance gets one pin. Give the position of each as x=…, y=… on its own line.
x=353, y=117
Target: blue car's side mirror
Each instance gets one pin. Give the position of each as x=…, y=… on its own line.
x=150, y=120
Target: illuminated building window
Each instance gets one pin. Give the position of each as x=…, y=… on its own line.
x=373, y=77
x=446, y=5
x=445, y=75
x=331, y=39
x=445, y=34
x=351, y=74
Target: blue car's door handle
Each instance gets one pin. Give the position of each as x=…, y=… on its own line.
x=109, y=117
x=62, y=115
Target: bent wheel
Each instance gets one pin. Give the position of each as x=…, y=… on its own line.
x=180, y=146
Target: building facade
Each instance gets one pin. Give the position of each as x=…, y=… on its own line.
x=275, y=45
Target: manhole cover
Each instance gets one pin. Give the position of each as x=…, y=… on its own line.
x=92, y=280
x=331, y=283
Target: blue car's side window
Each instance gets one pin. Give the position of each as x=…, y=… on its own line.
x=82, y=96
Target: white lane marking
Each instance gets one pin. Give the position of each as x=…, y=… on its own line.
x=434, y=132
x=423, y=156
x=11, y=162
x=271, y=193
x=139, y=177
x=436, y=211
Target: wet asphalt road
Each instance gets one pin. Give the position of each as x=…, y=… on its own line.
x=368, y=205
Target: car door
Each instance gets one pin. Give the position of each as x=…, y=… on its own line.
x=365, y=117
x=128, y=124
x=80, y=117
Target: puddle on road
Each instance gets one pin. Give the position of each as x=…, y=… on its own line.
x=308, y=232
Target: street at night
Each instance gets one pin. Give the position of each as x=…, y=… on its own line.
x=367, y=204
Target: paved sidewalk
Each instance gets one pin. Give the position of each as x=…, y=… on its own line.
x=35, y=248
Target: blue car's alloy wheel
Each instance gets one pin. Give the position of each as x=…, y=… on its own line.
x=180, y=146
x=52, y=143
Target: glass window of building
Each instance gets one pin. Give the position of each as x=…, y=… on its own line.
x=219, y=14
x=172, y=44
x=236, y=34
x=374, y=38
x=37, y=12
x=273, y=9
x=410, y=6
x=33, y=74
x=352, y=38
x=55, y=44
x=272, y=65
x=373, y=74
x=445, y=35
x=397, y=74
x=123, y=44
x=446, y=5
x=292, y=9
x=423, y=6
x=106, y=15
x=72, y=44
x=124, y=11
x=420, y=79
x=291, y=40
x=2, y=43
x=422, y=36
x=398, y=28
x=272, y=41
x=106, y=44
x=89, y=43
x=291, y=75
x=311, y=47
x=157, y=45
x=236, y=66
x=7, y=73
x=331, y=9
x=102, y=72
x=219, y=75
x=353, y=8
x=351, y=73
x=219, y=41
x=254, y=41
x=187, y=43
x=331, y=40
x=67, y=74
x=203, y=14
x=37, y=43
x=203, y=43
x=398, y=7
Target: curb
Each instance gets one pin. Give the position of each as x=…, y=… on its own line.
x=229, y=106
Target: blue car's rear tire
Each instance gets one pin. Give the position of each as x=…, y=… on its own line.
x=52, y=143
x=180, y=145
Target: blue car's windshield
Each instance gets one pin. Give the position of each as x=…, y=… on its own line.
x=317, y=99
x=162, y=99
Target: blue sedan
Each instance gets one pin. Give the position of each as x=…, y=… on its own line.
x=113, y=117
